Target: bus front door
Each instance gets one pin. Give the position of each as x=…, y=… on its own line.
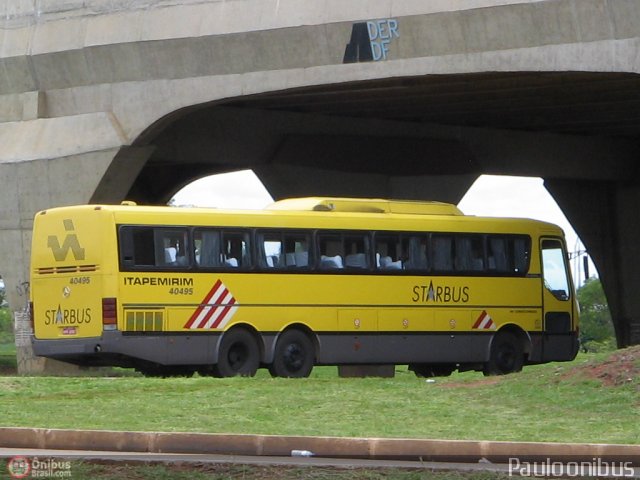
x=559, y=338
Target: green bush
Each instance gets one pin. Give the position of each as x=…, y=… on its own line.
x=7, y=340
x=6, y=320
x=596, y=328
x=593, y=346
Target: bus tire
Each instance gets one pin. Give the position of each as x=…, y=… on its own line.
x=294, y=355
x=239, y=354
x=507, y=355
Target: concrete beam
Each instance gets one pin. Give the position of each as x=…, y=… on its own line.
x=381, y=153
x=48, y=138
x=121, y=174
x=228, y=138
x=83, y=46
x=283, y=181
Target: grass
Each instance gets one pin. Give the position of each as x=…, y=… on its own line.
x=7, y=340
x=8, y=349
x=7, y=360
x=543, y=403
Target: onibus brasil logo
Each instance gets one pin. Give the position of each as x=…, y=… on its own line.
x=23, y=467
x=19, y=467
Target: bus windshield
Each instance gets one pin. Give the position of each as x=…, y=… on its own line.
x=555, y=269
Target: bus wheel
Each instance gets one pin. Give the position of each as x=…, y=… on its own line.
x=239, y=354
x=507, y=355
x=294, y=355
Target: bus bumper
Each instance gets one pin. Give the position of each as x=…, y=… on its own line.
x=114, y=348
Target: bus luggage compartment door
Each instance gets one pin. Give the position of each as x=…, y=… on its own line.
x=358, y=330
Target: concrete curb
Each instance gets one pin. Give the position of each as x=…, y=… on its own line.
x=332, y=447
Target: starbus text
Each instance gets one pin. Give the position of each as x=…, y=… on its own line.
x=442, y=294
x=67, y=316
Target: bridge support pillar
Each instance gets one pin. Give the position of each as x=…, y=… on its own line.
x=27, y=187
x=605, y=216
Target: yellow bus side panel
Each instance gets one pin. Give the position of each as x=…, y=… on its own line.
x=325, y=302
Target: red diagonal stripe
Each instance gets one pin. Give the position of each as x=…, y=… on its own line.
x=214, y=308
x=203, y=304
x=224, y=313
x=480, y=319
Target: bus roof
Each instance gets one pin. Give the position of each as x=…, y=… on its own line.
x=324, y=207
x=365, y=205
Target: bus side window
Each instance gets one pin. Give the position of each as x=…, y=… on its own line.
x=357, y=251
x=279, y=250
x=171, y=247
x=217, y=248
x=415, y=249
x=296, y=250
x=207, y=245
x=137, y=247
x=497, y=254
x=270, y=246
x=508, y=254
x=469, y=250
x=153, y=248
x=331, y=251
x=442, y=246
x=521, y=249
x=236, y=252
x=388, y=252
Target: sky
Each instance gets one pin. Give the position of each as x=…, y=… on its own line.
x=490, y=195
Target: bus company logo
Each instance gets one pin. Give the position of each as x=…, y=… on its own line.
x=439, y=294
x=484, y=322
x=19, y=467
x=67, y=316
x=216, y=309
x=70, y=242
x=22, y=467
x=370, y=41
x=548, y=468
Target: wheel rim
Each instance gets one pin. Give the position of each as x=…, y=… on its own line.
x=506, y=358
x=294, y=357
x=237, y=356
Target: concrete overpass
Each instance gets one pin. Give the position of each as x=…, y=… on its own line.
x=102, y=100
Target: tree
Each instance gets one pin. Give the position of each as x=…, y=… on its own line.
x=596, y=327
x=3, y=294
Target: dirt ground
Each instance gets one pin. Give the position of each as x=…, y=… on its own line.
x=620, y=368
x=7, y=371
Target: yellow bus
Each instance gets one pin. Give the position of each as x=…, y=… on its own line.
x=304, y=282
